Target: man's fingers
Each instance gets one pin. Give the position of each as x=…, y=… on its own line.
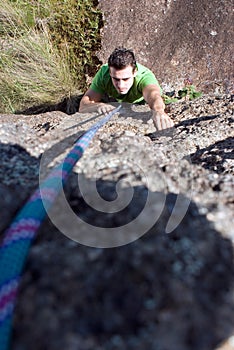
x=159, y=123
x=169, y=122
x=162, y=121
x=104, y=109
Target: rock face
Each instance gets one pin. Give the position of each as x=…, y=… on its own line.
x=176, y=39
x=171, y=286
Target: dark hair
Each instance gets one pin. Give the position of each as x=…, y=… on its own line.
x=121, y=58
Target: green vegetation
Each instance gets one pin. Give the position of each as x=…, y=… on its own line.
x=47, y=50
x=188, y=91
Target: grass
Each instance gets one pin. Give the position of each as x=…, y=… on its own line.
x=33, y=72
x=43, y=60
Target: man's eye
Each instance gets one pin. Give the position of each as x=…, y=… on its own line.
x=116, y=79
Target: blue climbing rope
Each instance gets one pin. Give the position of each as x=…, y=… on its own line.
x=18, y=237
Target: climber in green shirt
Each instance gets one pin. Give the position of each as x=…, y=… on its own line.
x=125, y=80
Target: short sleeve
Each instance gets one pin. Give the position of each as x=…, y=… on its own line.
x=97, y=84
x=148, y=78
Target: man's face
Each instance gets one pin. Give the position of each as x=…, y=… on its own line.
x=122, y=79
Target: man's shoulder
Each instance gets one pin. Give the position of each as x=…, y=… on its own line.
x=144, y=77
x=104, y=69
x=101, y=79
x=142, y=70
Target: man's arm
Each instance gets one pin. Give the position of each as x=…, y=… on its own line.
x=91, y=102
x=152, y=96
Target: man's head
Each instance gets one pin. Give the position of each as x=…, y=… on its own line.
x=122, y=66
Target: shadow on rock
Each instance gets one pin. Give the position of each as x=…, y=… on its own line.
x=68, y=105
x=19, y=174
x=18, y=177
x=215, y=156
x=196, y=121
x=162, y=291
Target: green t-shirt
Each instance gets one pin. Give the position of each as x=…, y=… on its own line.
x=102, y=83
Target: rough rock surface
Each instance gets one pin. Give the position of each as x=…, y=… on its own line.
x=167, y=290
x=175, y=38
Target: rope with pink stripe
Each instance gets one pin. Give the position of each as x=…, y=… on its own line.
x=18, y=237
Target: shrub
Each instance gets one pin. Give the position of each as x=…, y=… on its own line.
x=76, y=26
x=32, y=72
x=47, y=51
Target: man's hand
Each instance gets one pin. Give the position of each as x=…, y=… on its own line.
x=162, y=121
x=91, y=102
x=104, y=108
x=153, y=97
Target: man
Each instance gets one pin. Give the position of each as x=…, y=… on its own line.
x=126, y=81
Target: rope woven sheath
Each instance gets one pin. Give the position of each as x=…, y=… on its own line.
x=18, y=237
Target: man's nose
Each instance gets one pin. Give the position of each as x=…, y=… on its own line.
x=120, y=83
